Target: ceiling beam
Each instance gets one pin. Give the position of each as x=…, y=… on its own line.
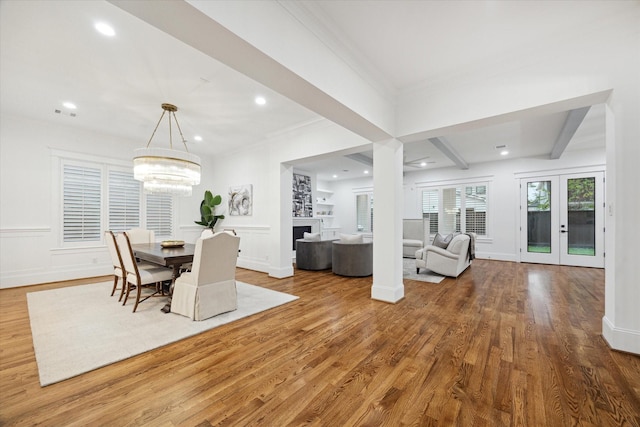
x=446, y=148
x=571, y=125
x=359, y=157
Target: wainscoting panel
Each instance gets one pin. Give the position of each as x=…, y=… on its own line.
x=254, y=247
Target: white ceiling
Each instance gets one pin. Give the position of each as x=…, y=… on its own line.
x=50, y=53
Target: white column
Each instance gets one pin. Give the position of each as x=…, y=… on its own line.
x=387, y=221
x=281, y=264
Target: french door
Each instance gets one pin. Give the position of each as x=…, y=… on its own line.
x=562, y=219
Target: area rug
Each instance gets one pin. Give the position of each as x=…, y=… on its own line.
x=409, y=272
x=81, y=328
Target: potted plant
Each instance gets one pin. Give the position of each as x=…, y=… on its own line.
x=208, y=217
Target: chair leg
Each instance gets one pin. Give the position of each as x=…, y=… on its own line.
x=115, y=284
x=126, y=295
x=417, y=270
x=138, y=293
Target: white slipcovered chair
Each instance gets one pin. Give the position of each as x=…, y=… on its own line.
x=451, y=261
x=138, y=277
x=209, y=288
x=140, y=236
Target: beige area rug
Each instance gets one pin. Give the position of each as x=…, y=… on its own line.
x=409, y=272
x=81, y=328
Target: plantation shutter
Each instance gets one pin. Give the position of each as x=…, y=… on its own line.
x=430, y=208
x=451, y=210
x=159, y=214
x=124, y=201
x=476, y=209
x=81, y=200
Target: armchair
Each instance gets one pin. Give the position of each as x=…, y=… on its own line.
x=451, y=261
x=210, y=288
x=354, y=259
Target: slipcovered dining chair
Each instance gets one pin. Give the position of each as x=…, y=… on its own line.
x=209, y=288
x=138, y=277
x=141, y=235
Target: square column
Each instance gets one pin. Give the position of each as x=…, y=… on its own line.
x=387, y=221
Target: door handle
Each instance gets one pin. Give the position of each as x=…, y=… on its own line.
x=564, y=231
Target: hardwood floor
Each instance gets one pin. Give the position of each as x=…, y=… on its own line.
x=504, y=344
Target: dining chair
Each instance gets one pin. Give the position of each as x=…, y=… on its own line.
x=116, y=260
x=139, y=277
x=210, y=288
x=141, y=235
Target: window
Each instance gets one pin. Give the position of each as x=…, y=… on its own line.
x=97, y=196
x=124, y=201
x=443, y=206
x=81, y=201
x=159, y=218
x=364, y=212
x=430, y=209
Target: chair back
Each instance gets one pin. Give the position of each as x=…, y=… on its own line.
x=215, y=258
x=459, y=244
x=140, y=235
x=128, y=260
x=116, y=259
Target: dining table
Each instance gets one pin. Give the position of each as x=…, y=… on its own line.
x=167, y=256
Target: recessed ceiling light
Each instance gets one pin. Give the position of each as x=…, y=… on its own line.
x=197, y=138
x=335, y=176
x=423, y=164
x=504, y=152
x=260, y=100
x=105, y=29
x=366, y=172
x=69, y=105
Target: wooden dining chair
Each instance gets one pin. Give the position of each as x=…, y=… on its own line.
x=116, y=260
x=139, y=277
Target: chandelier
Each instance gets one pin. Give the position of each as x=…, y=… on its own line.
x=165, y=170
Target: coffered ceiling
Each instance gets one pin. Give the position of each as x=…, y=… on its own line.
x=51, y=53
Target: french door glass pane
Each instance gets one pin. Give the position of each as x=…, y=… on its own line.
x=539, y=217
x=581, y=208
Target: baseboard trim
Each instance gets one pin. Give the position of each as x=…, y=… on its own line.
x=621, y=339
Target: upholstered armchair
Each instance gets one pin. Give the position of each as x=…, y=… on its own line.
x=414, y=236
x=449, y=261
x=352, y=257
x=209, y=288
x=313, y=254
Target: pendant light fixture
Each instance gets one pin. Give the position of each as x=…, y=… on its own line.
x=165, y=170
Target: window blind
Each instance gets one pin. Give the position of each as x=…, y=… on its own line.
x=159, y=214
x=430, y=208
x=81, y=200
x=124, y=201
x=475, y=203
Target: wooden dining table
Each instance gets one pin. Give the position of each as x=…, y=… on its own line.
x=174, y=257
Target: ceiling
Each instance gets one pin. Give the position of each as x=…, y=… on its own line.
x=51, y=53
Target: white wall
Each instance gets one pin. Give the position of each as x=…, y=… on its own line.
x=30, y=245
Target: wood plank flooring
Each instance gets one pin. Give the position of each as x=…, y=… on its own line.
x=504, y=344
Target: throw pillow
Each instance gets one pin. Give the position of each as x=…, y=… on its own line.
x=314, y=237
x=351, y=238
x=442, y=242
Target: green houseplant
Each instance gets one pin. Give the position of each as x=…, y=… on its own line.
x=208, y=217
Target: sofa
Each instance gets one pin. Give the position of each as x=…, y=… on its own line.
x=450, y=261
x=414, y=236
